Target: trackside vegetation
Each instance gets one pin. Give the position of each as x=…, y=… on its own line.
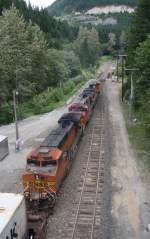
x=30, y=66
x=138, y=51
x=50, y=98
x=43, y=58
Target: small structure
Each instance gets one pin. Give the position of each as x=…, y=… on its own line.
x=4, y=149
x=13, y=221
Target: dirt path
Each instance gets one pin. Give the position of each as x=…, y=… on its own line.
x=129, y=198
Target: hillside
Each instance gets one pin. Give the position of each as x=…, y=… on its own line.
x=61, y=7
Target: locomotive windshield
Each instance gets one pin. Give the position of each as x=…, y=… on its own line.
x=41, y=166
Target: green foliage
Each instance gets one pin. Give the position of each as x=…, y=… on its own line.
x=139, y=135
x=72, y=61
x=138, y=49
x=60, y=7
x=118, y=30
x=87, y=46
x=142, y=60
x=28, y=65
x=56, y=32
x=22, y=52
x=51, y=98
x=139, y=29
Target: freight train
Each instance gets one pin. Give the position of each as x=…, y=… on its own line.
x=49, y=163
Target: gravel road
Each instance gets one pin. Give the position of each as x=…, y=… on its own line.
x=130, y=199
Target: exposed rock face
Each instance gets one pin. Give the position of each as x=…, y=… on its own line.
x=110, y=9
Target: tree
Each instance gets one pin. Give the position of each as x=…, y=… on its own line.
x=72, y=61
x=58, y=70
x=139, y=29
x=15, y=52
x=22, y=53
x=87, y=46
x=122, y=41
x=112, y=43
x=142, y=60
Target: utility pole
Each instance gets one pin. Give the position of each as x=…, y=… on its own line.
x=17, y=145
x=123, y=56
x=15, y=93
x=131, y=91
x=117, y=68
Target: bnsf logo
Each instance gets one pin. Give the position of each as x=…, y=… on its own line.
x=13, y=234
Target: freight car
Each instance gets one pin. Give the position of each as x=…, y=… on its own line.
x=49, y=163
x=13, y=220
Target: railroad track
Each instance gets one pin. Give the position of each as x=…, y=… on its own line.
x=86, y=219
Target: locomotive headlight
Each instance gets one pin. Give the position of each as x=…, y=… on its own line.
x=44, y=195
x=26, y=194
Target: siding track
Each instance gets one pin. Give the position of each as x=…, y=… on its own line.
x=87, y=213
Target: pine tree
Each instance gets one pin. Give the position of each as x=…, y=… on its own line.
x=139, y=29
x=22, y=53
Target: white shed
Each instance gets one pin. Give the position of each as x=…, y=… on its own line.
x=12, y=216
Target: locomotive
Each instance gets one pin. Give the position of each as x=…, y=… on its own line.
x=48, y=164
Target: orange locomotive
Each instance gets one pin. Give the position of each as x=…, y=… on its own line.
x=83, y=109
x=48, y=164
x=95, y=84
x=91, y=94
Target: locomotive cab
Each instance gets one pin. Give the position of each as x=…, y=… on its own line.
x=40, y=178
x=94, y=84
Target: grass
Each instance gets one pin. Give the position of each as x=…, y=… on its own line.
x=104, y=59
x=57, y=97
x=50, y=99
x=139, y=137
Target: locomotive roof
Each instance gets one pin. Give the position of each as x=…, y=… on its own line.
x=93, y=82
x=88, y=90
x=78, y=104
x=81, y=100
x=73, y=117
x=55, y=138
x=86, y=94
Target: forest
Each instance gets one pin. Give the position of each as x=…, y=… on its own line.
x=38, y=55
x=44, y=59
x=67, y=6
x=138, y=52
x=56, y=32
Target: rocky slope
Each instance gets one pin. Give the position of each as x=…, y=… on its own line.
x=62, y=7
